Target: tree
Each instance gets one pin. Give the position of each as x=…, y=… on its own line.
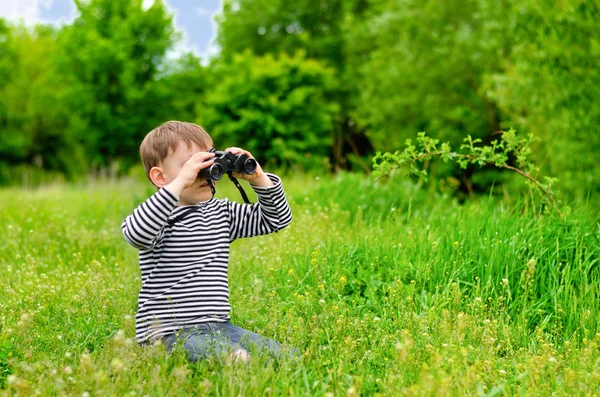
x=551, y=84
x=424, y=69
x=112, y=54
x=27, y=109
x=180, y=87
x=317, y=27
x=275, y=107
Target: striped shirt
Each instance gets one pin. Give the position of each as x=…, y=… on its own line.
x=184, y=265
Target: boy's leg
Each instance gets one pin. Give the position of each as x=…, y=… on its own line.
x=202, y=342
x=249, y=340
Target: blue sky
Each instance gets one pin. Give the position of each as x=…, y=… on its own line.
x=193, y=17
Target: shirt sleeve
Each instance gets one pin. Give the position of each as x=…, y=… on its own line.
x=144, y=227
x=270, y=214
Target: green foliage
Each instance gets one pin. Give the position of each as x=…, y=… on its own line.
x=424, y=67
x=496, y=154
x=278, y=107
x=180, y=87
x=113, y=52
x=23, y=60
x=550, y=84
x=81, y=96
x=320, y=29
x=274, y=26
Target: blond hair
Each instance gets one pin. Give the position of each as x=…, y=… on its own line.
x=164, y=140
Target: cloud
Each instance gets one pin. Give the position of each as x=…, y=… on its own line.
x=147, y=4
x=27, y=10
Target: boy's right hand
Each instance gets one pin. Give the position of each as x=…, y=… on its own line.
x=189, y=172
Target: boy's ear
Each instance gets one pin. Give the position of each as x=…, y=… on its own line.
x=157, y=177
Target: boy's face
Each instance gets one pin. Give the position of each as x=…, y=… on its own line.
x=172, y=164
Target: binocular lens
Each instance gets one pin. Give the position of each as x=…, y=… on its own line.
x=214, y=172
x=249, y=166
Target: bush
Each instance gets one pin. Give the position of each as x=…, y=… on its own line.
x=275, y=107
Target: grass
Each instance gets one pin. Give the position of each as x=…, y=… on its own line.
x=385, y=289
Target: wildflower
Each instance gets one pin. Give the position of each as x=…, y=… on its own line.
x=68, y=370
x=116, y=364
x=181, y=373
x=85, y=360
x=12, y=379
x=119, y=336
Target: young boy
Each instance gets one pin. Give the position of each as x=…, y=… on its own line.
x=183, y=260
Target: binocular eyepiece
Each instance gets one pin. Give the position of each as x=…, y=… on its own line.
x=226, y=162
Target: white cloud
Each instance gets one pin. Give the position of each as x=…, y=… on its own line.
x=147, y=4
x=27, y=10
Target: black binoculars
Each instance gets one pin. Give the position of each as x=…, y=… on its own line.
x=227, y=162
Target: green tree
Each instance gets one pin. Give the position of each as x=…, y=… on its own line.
x=27, y=109
x=275, y=107
x=180, y=87
x=551, y=85
x=318, y=27
x=111, y=56
x=424, y=66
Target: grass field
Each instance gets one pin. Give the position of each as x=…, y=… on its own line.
x=385, y=289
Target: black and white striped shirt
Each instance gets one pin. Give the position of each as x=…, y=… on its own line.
x=184, y=265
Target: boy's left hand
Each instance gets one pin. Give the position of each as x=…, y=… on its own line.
x=259, y=178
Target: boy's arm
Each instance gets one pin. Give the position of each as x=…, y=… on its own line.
x=270, y=214
x=143, y=227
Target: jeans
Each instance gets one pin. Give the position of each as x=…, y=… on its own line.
x=214, y=339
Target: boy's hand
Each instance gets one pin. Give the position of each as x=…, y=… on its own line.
x=189, y=172
x=259, y=178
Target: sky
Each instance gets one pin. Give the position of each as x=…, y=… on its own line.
x=193, y=17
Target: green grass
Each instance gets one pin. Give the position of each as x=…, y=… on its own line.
x=383, y=288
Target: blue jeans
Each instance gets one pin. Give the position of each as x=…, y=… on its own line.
x=214, y=339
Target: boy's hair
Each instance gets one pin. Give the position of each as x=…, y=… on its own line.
x=156, y=145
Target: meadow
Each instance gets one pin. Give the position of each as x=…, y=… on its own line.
x=385, y=289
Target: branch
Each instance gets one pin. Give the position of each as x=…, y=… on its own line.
x=476, y=156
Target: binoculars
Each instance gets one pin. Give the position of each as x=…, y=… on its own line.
x=227, y=162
